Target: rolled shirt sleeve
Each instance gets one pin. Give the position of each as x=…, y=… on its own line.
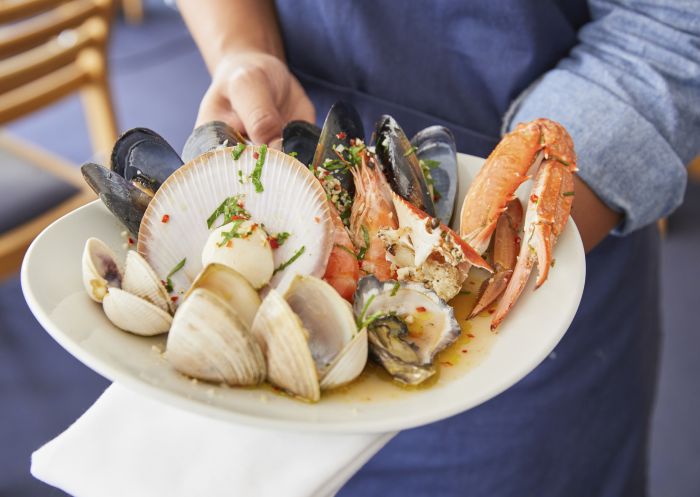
x=629, y=94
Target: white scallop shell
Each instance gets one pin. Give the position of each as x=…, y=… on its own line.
x=140, y=280
x=283, y=341
x=209, y=341
x=231, y=287
x=135, y=315
x=292, y=201
x=101, y=270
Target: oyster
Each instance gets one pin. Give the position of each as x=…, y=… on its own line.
x=407, y=326
x=309, y=338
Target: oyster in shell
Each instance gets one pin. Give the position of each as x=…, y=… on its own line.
x=407, y=326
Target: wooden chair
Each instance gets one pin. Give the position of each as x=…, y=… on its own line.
x=49, y=49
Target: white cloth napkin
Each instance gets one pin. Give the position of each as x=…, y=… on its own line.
x=127, y=444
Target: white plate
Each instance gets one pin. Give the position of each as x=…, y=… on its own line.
x=52, y=285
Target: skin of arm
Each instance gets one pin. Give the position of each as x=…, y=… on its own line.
x=242, y=47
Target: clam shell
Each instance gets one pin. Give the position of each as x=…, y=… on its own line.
x=231, y=287
x=140, y=280
x=135, y=315
x=209, y=341
x=283, y=339
x=292, y=201
x=100, y=269
x=329, y=321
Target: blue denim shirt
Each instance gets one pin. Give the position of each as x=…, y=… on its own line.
x=629, y=94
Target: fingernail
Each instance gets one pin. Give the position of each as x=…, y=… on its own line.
x=276, y=143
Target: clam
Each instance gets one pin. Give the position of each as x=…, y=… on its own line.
x=209, y=136
x=407, y=326
x=210, y=341
x=134, y=314
x=275, y=190
x=140, y=280
x=249, y=253
x=100, y=269
x=401, y=166
x=309, y=338
x=230, y=286
x=437, y=155
x=301, y=138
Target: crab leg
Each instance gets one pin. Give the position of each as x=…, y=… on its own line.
x=547, y=212
x=506, y=244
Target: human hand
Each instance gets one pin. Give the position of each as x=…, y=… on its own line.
x=255, y=93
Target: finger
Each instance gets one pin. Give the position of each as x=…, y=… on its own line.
x=251, y=99
x=216, y=107
x=302, y=108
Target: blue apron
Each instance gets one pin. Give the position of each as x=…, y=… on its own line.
x=577, y=425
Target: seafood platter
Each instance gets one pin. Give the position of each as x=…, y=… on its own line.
x=345, y=283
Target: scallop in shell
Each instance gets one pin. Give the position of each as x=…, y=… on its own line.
x=407, y=326
x=140, y=280
x=100, y=269
x=277, y=191
x=134, y=314
x=208, y=340
x=309, y=338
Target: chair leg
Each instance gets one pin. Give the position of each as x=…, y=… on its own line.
x=99, y=113
x=133, y=11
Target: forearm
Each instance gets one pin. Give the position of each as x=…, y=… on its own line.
x=593, y=218
x=222, y=27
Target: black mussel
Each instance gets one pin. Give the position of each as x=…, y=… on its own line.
x=301, y=138
x=401, y=166
x=144, y=157
x=437, y=156
x=209, y=136
x=341, y=128
x=127, y=202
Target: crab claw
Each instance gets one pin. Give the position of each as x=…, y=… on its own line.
x=547, y=212
x=506, y=244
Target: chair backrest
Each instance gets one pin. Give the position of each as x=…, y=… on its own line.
x=50, y=49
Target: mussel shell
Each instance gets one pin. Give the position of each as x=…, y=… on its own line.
x=208, y=136
x=143, y=156
x=401, y=166
x=437, y=143
x=301, y=137
x=127, y=202
x=342, y=124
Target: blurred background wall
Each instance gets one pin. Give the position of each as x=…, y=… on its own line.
x=157, y=80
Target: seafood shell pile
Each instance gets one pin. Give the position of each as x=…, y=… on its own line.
x=295, y=266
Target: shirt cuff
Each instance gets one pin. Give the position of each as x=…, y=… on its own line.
x=621, y=156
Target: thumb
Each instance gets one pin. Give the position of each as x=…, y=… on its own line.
x=253, y=102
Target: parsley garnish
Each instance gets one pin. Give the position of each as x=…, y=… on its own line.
x=361, y=321
x=255, y=177
x=288, y=263
x=395, y=289
x=568, y=194
x=240, y=176
x=410, y=151
x=281, y=237
x=363, y=250
x=293, y=154
x=343, y=247
x=227, y=236
x=228, y=208
x=238, y=150
x=168, y=281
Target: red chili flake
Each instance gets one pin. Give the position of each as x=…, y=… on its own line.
x=491, y=311
x=446, y=363
x=341, y=135
x=131, y=241
x=166, y=218
x=229, y=244
x=240, y=204
x=237, y=218
x=421, y=308
x=273, y=242
x=464, y=351
x=253, y=226
x=517, y=239
x=470, y=335
x=174, y=298
x=162, y=282
x=534, y=198
x=256, y=155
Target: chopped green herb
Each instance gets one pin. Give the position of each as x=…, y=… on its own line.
x=343, y=247
x=231, y=207
x=288, y=263
x=226, y=236
x=281, y=237
x=240, y=177
x=465, y=292
x=293, y=154
x=168, y=281
x=410, y=151
x=568, y=194
x=238, y=150
x=255, y=177
x=363, y=250
x=361, y=317
x=562, y=161
x=395, y=289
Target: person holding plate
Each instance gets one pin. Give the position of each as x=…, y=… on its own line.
x=623, y=77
